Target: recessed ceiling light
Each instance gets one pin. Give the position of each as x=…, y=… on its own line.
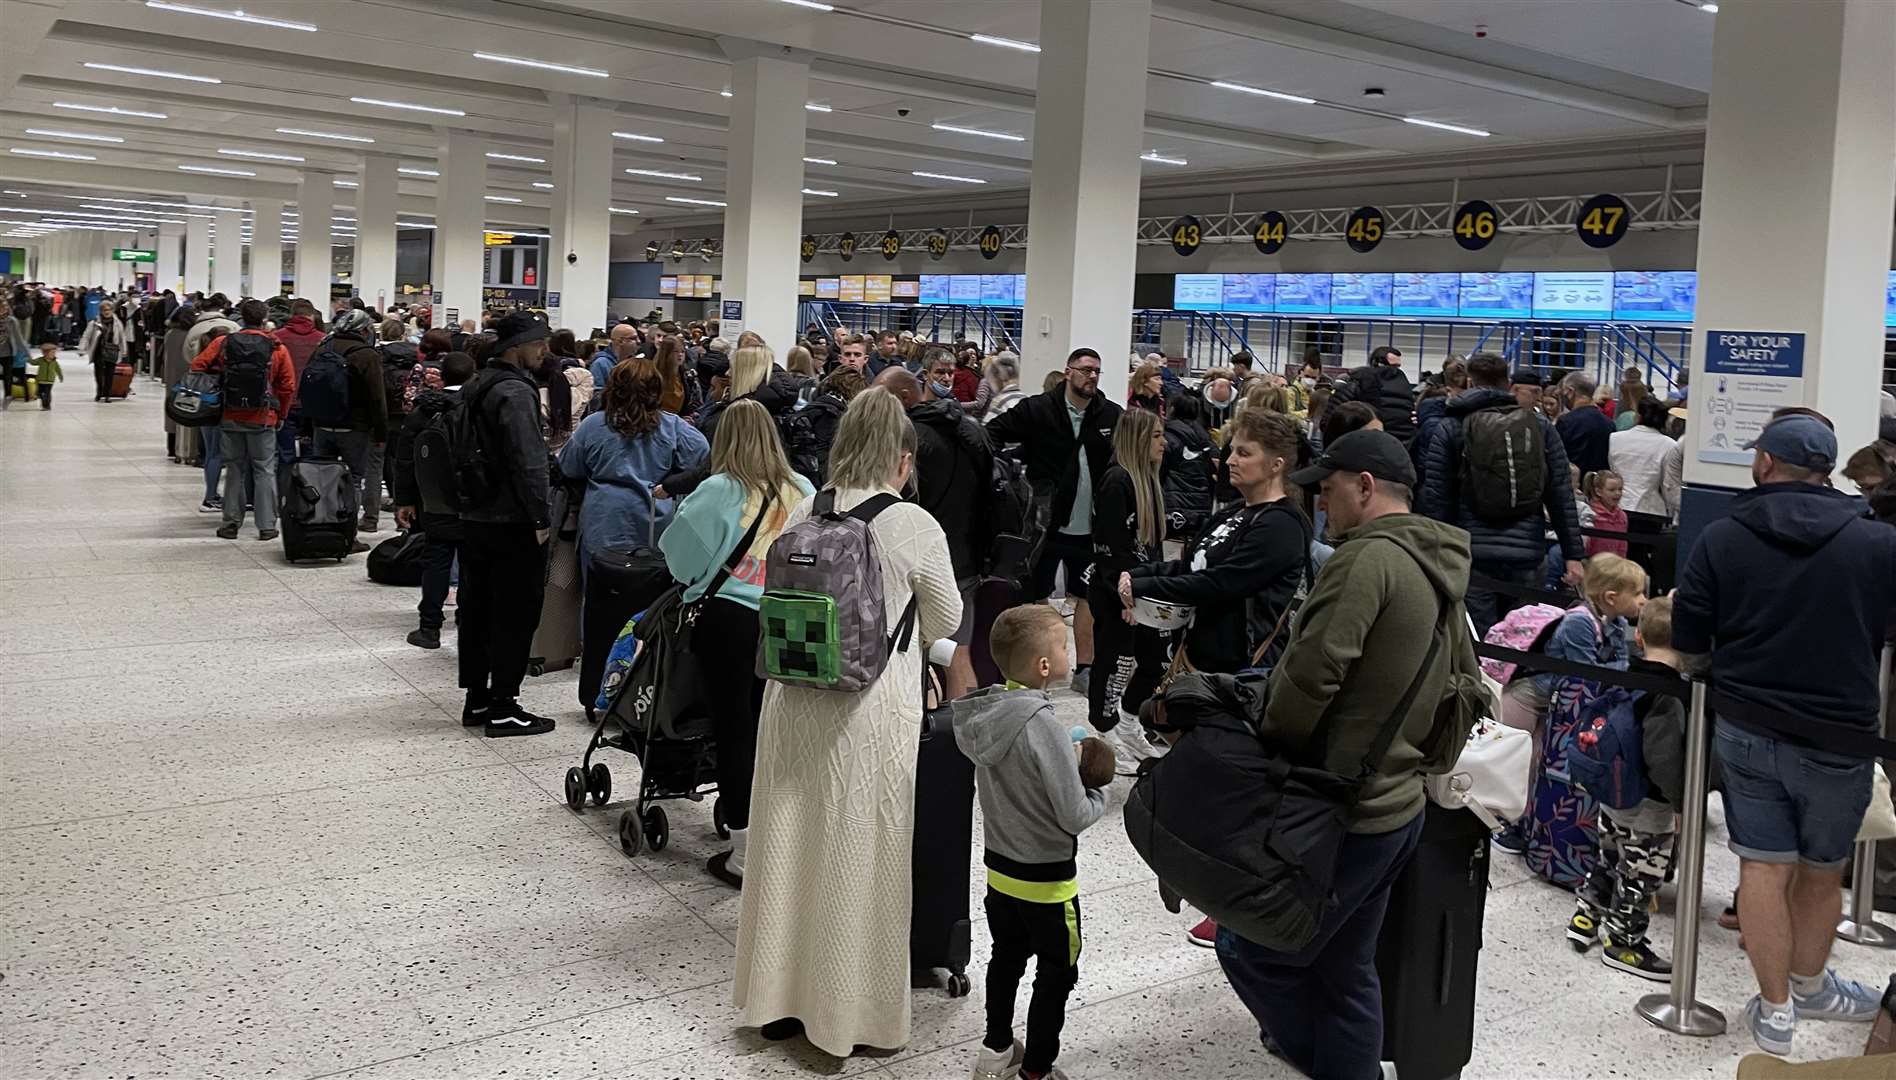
x=819, y=161
x=517, y=157
x=1261, y=92
x=692, y=202
x=1446, y=127
x=406, y=105
x=215, y=172
x=542, y=64
x=345, y=183
x=662, y=175
x=80, y=135
x=825, y=194
x=621, y=210
x=111, y=109
x=237, y=16
x=343, y=220
x=636, y=137
x=724, y=93
x=500, y=198
x=814, y=107
x=413, y=225
x=418, y=172
x=1005, y=43
x=948, y=176
x=1160, y=159
x=813, y=5
x=1709, y=8
x=543, y=185
x=27, y=152
x=152, y=72
x=338, y=136
x=957, y=130
x=260, y=155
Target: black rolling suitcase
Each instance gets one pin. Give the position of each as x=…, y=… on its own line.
x=1430, y=946
x=940, y=931
x=620, y=583
x=317, y=509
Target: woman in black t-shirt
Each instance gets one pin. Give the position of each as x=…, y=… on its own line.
x=1128, y=526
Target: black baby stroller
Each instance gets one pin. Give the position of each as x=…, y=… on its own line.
x=669, y=732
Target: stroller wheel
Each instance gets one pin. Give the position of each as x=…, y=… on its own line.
x=600, y=781
x=631, y=832
x=657, y=828
x=958, y=985
x=575, y=789
x=717, y=819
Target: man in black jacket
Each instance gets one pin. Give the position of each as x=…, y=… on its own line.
x=1383, y=386
x=1510, y=551
x=1791, y=595
x=1585, y=431
x=439, y=525
x=503, y=538
x=1066, y=439
x=953, y=469
x=359, y=445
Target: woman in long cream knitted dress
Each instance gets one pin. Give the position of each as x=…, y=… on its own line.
x=822, y=944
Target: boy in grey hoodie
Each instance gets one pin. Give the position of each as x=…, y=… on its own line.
x=1033, y=807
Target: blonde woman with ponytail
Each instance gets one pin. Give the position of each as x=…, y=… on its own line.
x=1128, y=527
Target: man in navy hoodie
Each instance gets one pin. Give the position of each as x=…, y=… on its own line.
x=1791, y=595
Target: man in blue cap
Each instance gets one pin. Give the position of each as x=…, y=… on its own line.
x=1791, y=595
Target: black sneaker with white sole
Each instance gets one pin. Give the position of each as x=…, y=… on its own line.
x=211, y=506
x=508, y=719
x=1637, y=960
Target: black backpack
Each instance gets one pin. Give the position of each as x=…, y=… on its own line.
x=800, y=445
x=454, y=467
x=246, y=375
x=323, y=396
x=1016, y=521
x=1504, y=463
x=398, y=362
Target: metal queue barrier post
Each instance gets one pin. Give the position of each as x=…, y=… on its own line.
x=1679, y=1010
x=1858, y=925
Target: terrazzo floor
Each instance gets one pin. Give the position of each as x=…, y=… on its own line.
x=244, y=836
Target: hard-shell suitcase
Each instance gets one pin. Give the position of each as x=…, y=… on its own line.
x=122, y=381
x=620, y=583
x=316, y=509
x=1430, y=945
x=940, y=931
x=556, y=639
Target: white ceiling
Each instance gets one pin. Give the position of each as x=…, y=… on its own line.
x=1545, y=71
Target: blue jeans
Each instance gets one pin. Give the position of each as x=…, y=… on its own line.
x=249, y=464
x=1322, y=1005
x=1786, y=804
x=213, y=440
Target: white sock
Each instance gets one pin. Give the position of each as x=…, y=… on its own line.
x=1772, y=1006
x=1806, y=985
x=736, y=864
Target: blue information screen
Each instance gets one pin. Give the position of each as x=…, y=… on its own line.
x=1655, y=296
x=1360, y=294
x=1889, y=301
x=1561, y=294
x=964, y=289
x=1250, y=292
x=1197, y=292
x=1303, y=294
x=1497, y=295
x=934, y=289
x=997, y=290
x=1425, y=294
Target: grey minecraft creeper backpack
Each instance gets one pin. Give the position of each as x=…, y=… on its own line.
x=821, y=619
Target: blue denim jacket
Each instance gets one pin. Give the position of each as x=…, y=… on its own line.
x=1584, y=638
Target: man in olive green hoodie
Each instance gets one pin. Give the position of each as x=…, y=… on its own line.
x=1395, y=582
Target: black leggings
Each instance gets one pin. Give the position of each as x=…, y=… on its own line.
x=102, y=379
x=1128, y=661
x=725, y=639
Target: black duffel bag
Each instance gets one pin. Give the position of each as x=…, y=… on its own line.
x=397, y=560
x=196, y=400
x=1243, y=830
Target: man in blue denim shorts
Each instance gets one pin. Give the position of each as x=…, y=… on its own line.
x=1791, y=595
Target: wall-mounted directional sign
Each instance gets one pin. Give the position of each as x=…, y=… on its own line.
x=846, y=246
x=990, y=241
x=1475, y=224
x=891, y=244
x=807, y=249
x=1603, y=220
x=937, y=245
x=1187, y=234
x=1271, y=232
x=1364, y=230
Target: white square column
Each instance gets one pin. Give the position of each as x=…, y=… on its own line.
x=266, y=248
x=315, y=266
x=763, y=192
x=169, y=272
x=461, y=225
x=376, y=198
x=1794, y=235
x=581, y=221
x=227, y=255
x=1083, y=205
x=197, y=255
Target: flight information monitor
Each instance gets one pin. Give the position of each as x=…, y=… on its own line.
x=1561, y=294
x=1360, y=294
x=1655, y=295
x=1303, y=294
x=1425, y=294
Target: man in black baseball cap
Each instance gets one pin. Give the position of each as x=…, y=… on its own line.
x=504, y=529
x=1380, y=635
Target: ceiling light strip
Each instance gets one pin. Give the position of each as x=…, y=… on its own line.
x=947, y=176
x=412, y=107
x=662, y=175
x=235, y=16
x=336, y=135
x=153, y=73
x=50, y=133
x=1005, y=43
x=692, y=202
x=955, y=129
x=112, y=110
x=543, y=65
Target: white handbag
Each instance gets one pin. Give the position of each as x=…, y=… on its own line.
x=1491, y=776
x=1879, y=820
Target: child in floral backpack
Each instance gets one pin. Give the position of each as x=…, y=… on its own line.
x=1636, y=843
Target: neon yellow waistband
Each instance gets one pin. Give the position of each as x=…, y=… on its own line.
x=1036, y=892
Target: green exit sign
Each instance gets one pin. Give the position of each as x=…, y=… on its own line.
x=133, y=255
